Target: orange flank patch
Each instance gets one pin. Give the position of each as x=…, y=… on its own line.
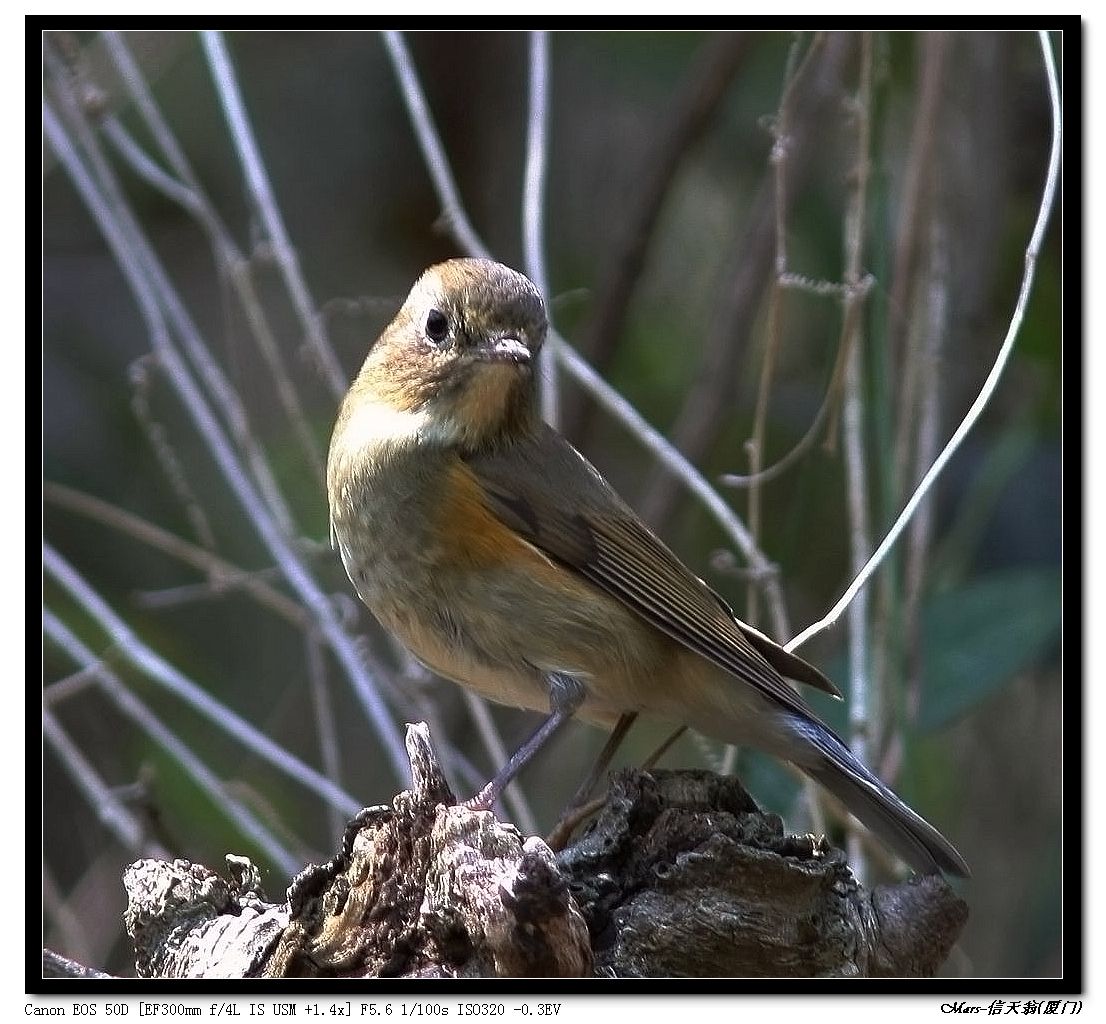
x=480, y=538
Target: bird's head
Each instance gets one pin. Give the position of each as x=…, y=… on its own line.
x=460, y=356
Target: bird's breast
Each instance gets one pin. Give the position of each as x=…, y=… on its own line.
x=476, y=602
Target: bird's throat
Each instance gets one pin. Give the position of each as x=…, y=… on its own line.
x=495, y=402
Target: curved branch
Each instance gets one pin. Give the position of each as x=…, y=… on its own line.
x=989, y=385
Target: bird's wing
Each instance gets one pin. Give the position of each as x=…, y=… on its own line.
x=581, y=522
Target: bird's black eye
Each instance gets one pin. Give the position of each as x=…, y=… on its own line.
x=437, y=326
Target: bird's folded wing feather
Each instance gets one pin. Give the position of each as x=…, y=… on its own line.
x=581, y=522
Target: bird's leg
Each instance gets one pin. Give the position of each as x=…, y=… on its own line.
x=566, y=694
x=571, y=815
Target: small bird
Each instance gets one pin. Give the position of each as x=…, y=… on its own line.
x=491, y=548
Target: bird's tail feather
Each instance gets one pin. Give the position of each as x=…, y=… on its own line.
x=907, y=833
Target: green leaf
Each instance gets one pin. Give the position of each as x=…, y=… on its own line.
x=979, y=636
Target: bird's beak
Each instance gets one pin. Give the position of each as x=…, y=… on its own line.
x=508, y=349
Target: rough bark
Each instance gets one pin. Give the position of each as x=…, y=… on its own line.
x=680, y=875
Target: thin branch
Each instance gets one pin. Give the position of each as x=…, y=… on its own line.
x=204, y=778
x=325, y=725
x=934, y=329
x=143, y=100
x=165, y=454
x=70, y=686
x=156, y=176
x=453, y=212
x=566, y=824
x=112, y=814
x=781, y=144
x=68, y=929
x=861, y=726
x=779, y=159
x=914, y=190
x=54, y=965
x=911, y=336
x=533, y=192
x=691, y=114
x=537, y=145
x=223, y=574
x=755, y=445
x=749, y=265
x=176, y=597
x=222, y=72
x=915, y=337
x=907, y=365
x=990, y=384
x=830, y=400
x=747, y=272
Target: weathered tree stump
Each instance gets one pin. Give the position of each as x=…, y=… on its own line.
x=680, y=875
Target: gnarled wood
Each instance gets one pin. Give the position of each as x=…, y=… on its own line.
x=680, y=875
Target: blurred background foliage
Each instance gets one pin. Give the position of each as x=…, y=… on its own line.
x=966, y=643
